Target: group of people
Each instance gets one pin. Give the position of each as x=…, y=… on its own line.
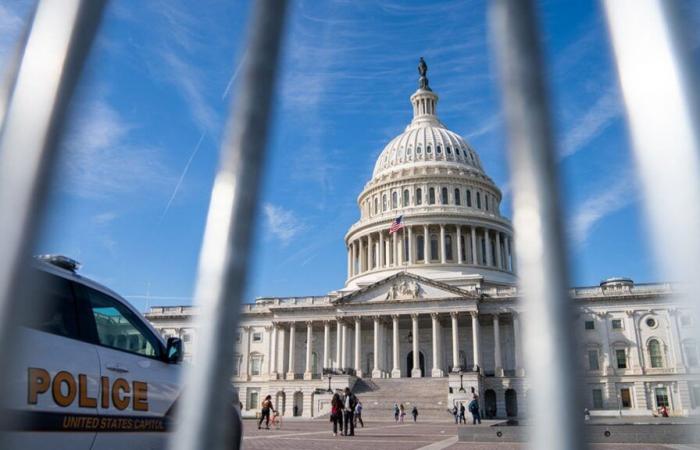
x=346, y=413
x=459, y=412
x=400, y=413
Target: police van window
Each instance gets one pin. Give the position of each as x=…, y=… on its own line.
x=119, y=328
x=59, y=316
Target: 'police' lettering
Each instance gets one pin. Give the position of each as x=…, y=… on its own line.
x=140, y=400
x=118, y=401
x=84, y=401
x=66, y=378
x=39, y=382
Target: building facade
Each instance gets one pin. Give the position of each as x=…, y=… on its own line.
x=437, y=298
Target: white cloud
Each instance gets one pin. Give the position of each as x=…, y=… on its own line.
x=599, y=116
x=11, y=24
x=614, y=197
x=104, y=218
x=282, y=223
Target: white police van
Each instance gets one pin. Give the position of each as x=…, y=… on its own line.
x=94, y=374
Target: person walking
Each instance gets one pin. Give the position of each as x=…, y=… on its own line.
x=455, y=412
x=349, y=403
x=337, y=413
x=474, y=409
x=266, y=407
x=396, y=412
x=414, y=413
x=462, y=411
x=358, y=414
x=402, y=413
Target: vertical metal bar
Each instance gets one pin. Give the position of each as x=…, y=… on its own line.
x=205, y=410
x=554, y=390
x=660, y=89
x=56, y=48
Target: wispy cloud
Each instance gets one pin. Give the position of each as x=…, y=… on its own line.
x=282, y=223
x=611, y=198
x=182, y=176
x=12, y=18
x=104, y=218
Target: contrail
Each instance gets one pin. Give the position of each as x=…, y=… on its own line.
x=182, y=176
x=233, y=77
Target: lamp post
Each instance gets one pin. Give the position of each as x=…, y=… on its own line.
x=461, y=382
x=330, y=391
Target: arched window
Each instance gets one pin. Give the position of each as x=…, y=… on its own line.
x=418, y=150
x=428, y=149
x=478, y=200
x=486, y=199
x=405, y=197
x=433, y=246
x=419, y=196
x=469, y=198
x=431, y=196
x=458, y=199
x=444, y=196
x=438, y=150
x=394, y=200
x=383, y=202
x=449, y=150
x=420, y=243
x=655, y=356
x=376, y=205
x=448, y=247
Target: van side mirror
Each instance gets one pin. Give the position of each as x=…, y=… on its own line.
x=174, y=350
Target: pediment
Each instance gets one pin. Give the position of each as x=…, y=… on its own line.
x=404, y=286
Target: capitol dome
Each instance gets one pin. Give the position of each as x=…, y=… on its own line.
x=432, y=183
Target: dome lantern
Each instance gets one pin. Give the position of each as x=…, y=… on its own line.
x=424, y=100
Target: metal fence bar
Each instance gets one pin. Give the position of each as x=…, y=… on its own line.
x=554, y=390
x=34, y=116
x=224, y=256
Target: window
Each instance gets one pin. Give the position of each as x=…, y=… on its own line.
x=448, y=247
x=255, y=363
x=457, y=150
x=420, y=242
x=253, y=400
x=418, y=150
x=433, y=247
x=431, y=196
x=597, y=399
x=438, y=150
x=119, y=328
x=661, y=394
x=394, y=200
x=621, y=358
x=376, y=205
x=428, y=149
x=478, y=200
x=691, y=354
x=469, y=198
x=651, y=322
x=257, y=337
x=486, y=199
x=186, y=337
x=237, y=365
x=383, y=202
x=655, y=356
x=449, y=150
x=419, y=196
x=589, y=325
x=458, y=200
x=593, y=360
x=444, y=198
x=617, y=324
x=405, y=197
x=60, y=315
x=625, y=398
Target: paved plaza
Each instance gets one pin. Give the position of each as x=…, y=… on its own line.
x=317, y=434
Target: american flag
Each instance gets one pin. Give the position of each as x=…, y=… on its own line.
x=396, y=225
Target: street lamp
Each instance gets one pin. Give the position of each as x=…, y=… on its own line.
x=330, y=391
x=461, y=382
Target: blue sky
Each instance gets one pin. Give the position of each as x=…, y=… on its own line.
x=138, y=160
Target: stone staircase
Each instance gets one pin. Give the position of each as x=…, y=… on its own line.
x=379, y=395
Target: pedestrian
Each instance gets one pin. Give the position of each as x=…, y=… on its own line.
x=349, y=403
x=586, y=414
x=402, y=413
x=414, y=413
x=266, y=407
x=462, y=418
x=358, y=414
x=474, y=409
x=396, y=412
x=455, y=413
x=336, y=413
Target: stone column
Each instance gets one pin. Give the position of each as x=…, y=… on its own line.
x=487, y=245
x=437, y=371
x=309, y=349
x=281, y=332
x=353, y=269
x=415, y=373
x=273, y=352
x=396, y=367
x=358, y=346
x=426, y=244
x=411, y=256
x=381, y=263
x=455, y=340
x=291, y=371
x=338, y=342
x=475, y=253
x=370, y=252
x=499, y=262
x=245, y=352
x=326, y=343
x=459, y=245
x=518, y=344
x=394, y=253
x=509, y=257
x=498, y=359
x=475, y=340
x=376, y=372
x=349, y=261
x=344, y=345
x=443, y=258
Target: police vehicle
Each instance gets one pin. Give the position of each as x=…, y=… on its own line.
x=93, y=373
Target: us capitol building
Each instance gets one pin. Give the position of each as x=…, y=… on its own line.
x=432, y=310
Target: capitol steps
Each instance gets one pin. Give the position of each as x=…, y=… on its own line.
x=379, y=395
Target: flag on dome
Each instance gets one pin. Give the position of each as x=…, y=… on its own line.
x=396, y=225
